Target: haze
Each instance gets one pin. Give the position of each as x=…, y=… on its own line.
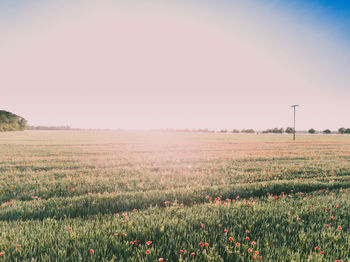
x=175, y=64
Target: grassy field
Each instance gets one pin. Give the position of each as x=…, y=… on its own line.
x=148, y=196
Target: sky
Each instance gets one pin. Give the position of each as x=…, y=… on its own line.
x=176, y=64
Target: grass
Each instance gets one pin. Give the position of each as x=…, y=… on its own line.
x=70, y=196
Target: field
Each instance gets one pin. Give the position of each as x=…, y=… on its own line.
x=150, y=196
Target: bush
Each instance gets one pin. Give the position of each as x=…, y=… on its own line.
x=327, y=131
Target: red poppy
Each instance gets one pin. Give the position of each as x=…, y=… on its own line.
x=201, y=244
x=253, y=243
x=2, y=253
x=247, y=231
x=148, y=243
x=298, y=218
x=161, y=259
x=206, y=244
x=238, y=244
x=256, y=252
x=147, y=251
x=225, y=231
x=321, y=252
x=181, y=251
x=247, y=238
x=193, y=254
x=230, y=238
x=18, y=245
x=317, y=248
x=249, y=250
x=69, y=228
x=340, y=228
x=253, y=256
x=92, y=251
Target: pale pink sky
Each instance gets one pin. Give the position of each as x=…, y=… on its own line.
x=119, y=65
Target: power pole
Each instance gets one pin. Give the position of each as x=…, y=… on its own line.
x=294, y=106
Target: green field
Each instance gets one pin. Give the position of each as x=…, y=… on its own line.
x=148, y=196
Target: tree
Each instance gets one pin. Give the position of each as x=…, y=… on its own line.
x=311, y=131
x=289, y=130
x=327, y=131
x=347, y=131
x=11, y=122
x=341, y=130
x=248, y=131
x=235, y=131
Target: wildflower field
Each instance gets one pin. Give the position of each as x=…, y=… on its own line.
x=151, y=196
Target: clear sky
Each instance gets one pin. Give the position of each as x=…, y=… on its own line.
x=176, y=64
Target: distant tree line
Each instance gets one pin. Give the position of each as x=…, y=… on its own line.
x=11, y=122
x=49, y=128
x=341, y=130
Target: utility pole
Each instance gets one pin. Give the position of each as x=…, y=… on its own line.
x=294, y=106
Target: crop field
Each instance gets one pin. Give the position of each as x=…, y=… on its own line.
x=152, y=196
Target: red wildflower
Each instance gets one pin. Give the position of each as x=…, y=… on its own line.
x=92, y=251
x=253, y=256
x=253, y=243
x=225, y=231
x=321, y=252
x=181, y=251
x=247, y=231
x=18, y=245
x=247, y=238
x=259, y=257
x=256, y=252
x=206, y=244
x=2, y=253
x=249, y=250
x=298, y=218
x=230, y=238
x=148, y=243
x=340, y=228
x=161, y=259
x=193, y=254
x=201, y=244
x=317, y=248
x=69, y=228
x=147, y=251
x=238, y=244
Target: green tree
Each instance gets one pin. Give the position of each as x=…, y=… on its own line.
x=327, y=131
x=311, y=131
x=289, y=130
x=341, y=130
x=11, y=122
